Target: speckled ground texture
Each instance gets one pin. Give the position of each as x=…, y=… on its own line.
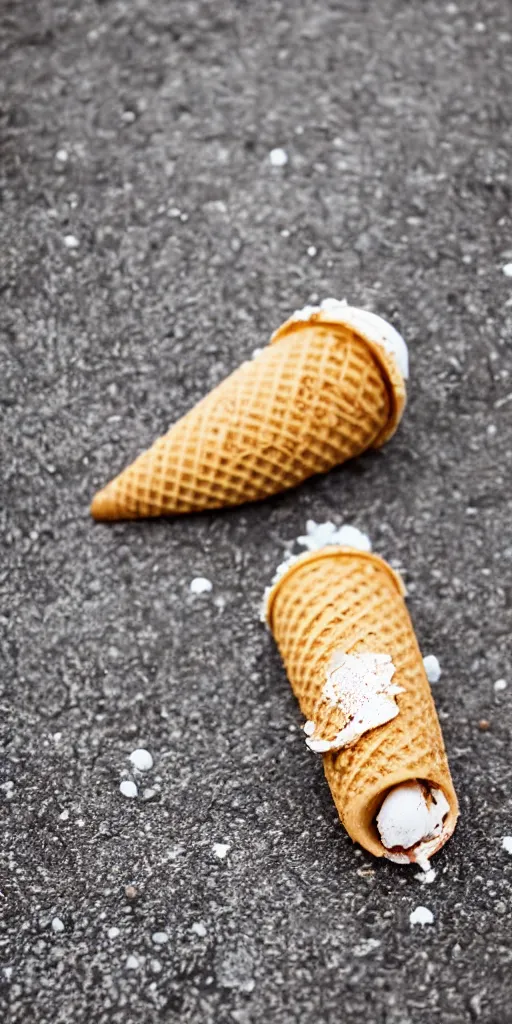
x=190, y=248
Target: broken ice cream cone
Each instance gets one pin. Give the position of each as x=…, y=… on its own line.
x=330, y=384
x=339, y=619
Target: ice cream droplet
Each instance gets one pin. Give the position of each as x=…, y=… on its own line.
x=141, y=760
x=422, y=915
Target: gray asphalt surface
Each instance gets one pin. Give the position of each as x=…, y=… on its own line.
x=142, y=131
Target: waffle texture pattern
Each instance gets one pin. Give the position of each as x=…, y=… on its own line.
x=312, y=399
x=342, y=599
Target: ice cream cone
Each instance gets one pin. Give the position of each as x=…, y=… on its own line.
x=343, y=602
x=327, y=387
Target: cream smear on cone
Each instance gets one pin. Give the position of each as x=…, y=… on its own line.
x=358, y=694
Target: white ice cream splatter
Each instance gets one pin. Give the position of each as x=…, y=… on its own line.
x=507, y=269
x=506, y=843
x=128, y=789
x=201, y=585
x=256, y=352
x=426, y=877
x=141, y=760
x=432, y=668
x=319, y=535
x=500, y=684
x=221, y=850
x=360, y=687
x=71, y=242
x=278, y=157
x=422, y=915
x=57, y=925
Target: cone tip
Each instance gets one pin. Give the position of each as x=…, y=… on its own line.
x=103, y=506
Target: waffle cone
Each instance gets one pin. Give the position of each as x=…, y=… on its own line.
x=319, y=393
x=340, y=599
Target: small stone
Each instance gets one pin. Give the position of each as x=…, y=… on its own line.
x=160, y=938
x=57, y=925
x=506, y=843
x=113, y=933
x=312, y=250
x=128, y=789
x=141, y=760
x=278, y=157
x=507, y=269
x=71, y=242
x=149, y=794
x=131, y=962
x=500, y=684
x=62, y=156
x=199, y=929
x=155, y=966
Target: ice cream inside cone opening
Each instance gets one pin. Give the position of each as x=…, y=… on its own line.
x=410, y=821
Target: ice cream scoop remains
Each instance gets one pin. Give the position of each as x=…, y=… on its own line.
x=358, y=695
x=410, y=814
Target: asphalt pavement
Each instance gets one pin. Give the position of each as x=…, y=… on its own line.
x=147, y=246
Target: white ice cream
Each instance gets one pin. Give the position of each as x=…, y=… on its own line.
x=360, y=686
x=319, y=535
x=422, y=915
x=375, y=327
x=432, y=668
x=406, y=817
